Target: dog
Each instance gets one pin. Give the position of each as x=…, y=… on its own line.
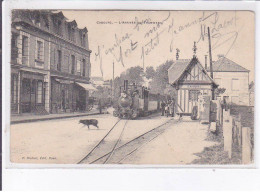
x=89, y=122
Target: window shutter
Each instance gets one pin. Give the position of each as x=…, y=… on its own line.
x=81, y=67
x=42, y=51
x=26, y=47
x=36, y=50
x=54, y=58
x=19, y=45
x=68, y=63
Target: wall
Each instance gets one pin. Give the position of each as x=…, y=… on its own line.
x=224, y=79
x=67, y=51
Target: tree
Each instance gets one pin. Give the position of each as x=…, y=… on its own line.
x=104, y=94
x=160, y=79
x=149, y=72
x=134, y=75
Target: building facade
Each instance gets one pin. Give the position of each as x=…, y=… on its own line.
x=234, y=78
x=50, y=63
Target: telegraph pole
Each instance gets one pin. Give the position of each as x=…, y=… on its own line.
x=210, y=62
x=113, y=81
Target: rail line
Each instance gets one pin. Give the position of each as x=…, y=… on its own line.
x=131, y=145
x=138, y=148
x=118, y=140
x=102, y=140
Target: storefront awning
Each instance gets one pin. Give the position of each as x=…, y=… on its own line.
x=87, y=86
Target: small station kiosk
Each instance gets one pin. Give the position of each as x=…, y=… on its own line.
x=194, y=88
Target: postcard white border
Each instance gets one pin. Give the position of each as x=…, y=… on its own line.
x=133, y=176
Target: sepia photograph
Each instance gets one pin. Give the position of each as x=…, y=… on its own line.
x=126, y=87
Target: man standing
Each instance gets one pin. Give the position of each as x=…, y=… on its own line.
x=163, y=107
x=100, y=106
x=173, y=106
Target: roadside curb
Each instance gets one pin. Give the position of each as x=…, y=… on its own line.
x=53, y=118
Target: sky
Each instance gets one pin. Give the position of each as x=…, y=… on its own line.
x=149, y=38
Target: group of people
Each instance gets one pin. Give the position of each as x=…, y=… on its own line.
x=168, y=107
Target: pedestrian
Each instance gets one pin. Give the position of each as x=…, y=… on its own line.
x=163, y=107
x=99, y=106
x=173, y=106
x=170, y=108
x=167, y=110
x=225, y=104
x=77, y=105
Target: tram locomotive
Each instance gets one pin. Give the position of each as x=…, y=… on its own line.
x=135, y=101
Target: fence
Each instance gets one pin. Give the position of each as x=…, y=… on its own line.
x=238, y=140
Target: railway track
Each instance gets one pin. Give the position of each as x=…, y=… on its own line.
x=106, y=143
x=108, y=154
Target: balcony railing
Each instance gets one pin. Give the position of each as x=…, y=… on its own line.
x=65, y=74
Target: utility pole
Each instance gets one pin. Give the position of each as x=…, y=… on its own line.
x=143, y=56
x=210, y=62
x=177, y=54
x=113, y=81
x=206, y=59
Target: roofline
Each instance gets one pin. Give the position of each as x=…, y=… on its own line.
x=60, y=13
x=181, y=72
x=53, y=34
x=233, y=62
x=207, y=73
x=233, y=71
x=202, y=68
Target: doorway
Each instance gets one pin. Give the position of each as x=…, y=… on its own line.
x=63, y=100
x=26, y=96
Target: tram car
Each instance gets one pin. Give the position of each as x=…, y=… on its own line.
x=135, y=101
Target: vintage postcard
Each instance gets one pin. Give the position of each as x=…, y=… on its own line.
x=132, y=87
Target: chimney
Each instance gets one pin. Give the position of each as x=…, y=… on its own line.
x=194, y=50
x=177, y=54
x=206, y=60
x=125, y=85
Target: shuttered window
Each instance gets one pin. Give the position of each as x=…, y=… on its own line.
x=59, y=60
x=59, y=27
x=72, y=64
x=25, y=50
x=235, y=84
x=84, y=68
x=83, y=40
x=39, y=50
